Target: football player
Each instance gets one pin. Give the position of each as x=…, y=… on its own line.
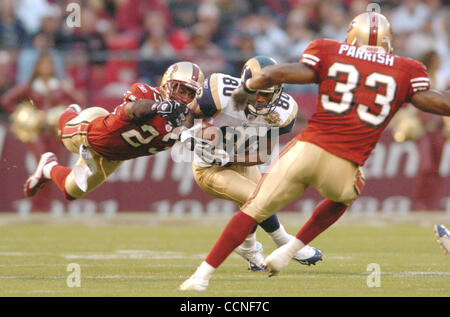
x=241, y=131
x=144, y=124
x=361, y=86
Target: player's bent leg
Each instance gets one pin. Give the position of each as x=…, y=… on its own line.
x=78, y=185
x=74, y=133
x=229, y=183
x=235, y=183
x=278, y=187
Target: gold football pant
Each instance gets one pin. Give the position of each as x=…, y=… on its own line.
x=74, y=134
x=298, y=166
x=235, y=183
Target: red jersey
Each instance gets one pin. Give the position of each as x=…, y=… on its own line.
x=118, y=137
x=359, y=92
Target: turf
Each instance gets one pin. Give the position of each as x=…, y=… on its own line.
x=150, y=256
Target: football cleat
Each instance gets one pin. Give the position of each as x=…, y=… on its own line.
x=308, y=256
x=253, y=256
x=277, y=260
x=194, y=283
x=443, y=236
x=37, y=180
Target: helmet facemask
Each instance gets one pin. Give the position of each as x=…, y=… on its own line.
x=180, y=91
x=265, y=101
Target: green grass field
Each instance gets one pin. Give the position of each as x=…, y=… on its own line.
x=146, y=255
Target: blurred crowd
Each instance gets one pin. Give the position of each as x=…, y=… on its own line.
x=57, y=52
x=118, y=42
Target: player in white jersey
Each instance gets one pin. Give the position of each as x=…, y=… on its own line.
x=247, y=136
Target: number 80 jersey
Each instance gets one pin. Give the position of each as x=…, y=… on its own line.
x=359, y=93
x=214, y=100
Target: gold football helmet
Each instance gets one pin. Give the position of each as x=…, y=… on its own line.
x=27, y=122
x=370, y=29
x=179, y=77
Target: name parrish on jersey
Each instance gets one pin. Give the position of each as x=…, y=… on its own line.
x=242, y=132
x=365, y=55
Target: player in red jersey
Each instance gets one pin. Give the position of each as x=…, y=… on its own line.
x=361, y=86
x=144, y=124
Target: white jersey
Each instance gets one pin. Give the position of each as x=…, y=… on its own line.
x=244, y=128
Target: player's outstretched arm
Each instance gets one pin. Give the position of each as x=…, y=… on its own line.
x=140, y=108
x=432, y=101
x=292, y=73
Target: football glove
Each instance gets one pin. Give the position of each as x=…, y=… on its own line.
x=173, y=111
x=203, y=148
x=242, y=96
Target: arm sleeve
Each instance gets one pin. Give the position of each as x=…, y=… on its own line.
x=418, y=79
x=141, y=91
x=312, y=55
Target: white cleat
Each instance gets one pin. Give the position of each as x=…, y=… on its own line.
x=443, y=236
x=194, y=283
x=253, y=256
x=308, y=255
x=37, y=180
x=277, y=260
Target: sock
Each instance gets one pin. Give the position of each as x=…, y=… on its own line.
x=325, y=214
x=280, y=236
x=47, y=169
x=250, y=241
x=237, y=229
x=270, y=224
x=204, y=271
x=293, y=246
x=58, y=175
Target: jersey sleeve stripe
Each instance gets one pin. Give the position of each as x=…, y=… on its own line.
x=308, y=61
x=420, y=79
x=420, y=85
x=314, y=58
x=420, y=88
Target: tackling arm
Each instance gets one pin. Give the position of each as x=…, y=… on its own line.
x=432, y=101
x=293, y=73
x=140, y=109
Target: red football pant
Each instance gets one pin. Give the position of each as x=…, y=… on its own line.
x=325, y=214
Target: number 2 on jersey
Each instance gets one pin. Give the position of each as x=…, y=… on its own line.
x=135, y=138
x=347, y=89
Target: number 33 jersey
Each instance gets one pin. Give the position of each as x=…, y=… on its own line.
x=359, y=92
x=118, y=137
